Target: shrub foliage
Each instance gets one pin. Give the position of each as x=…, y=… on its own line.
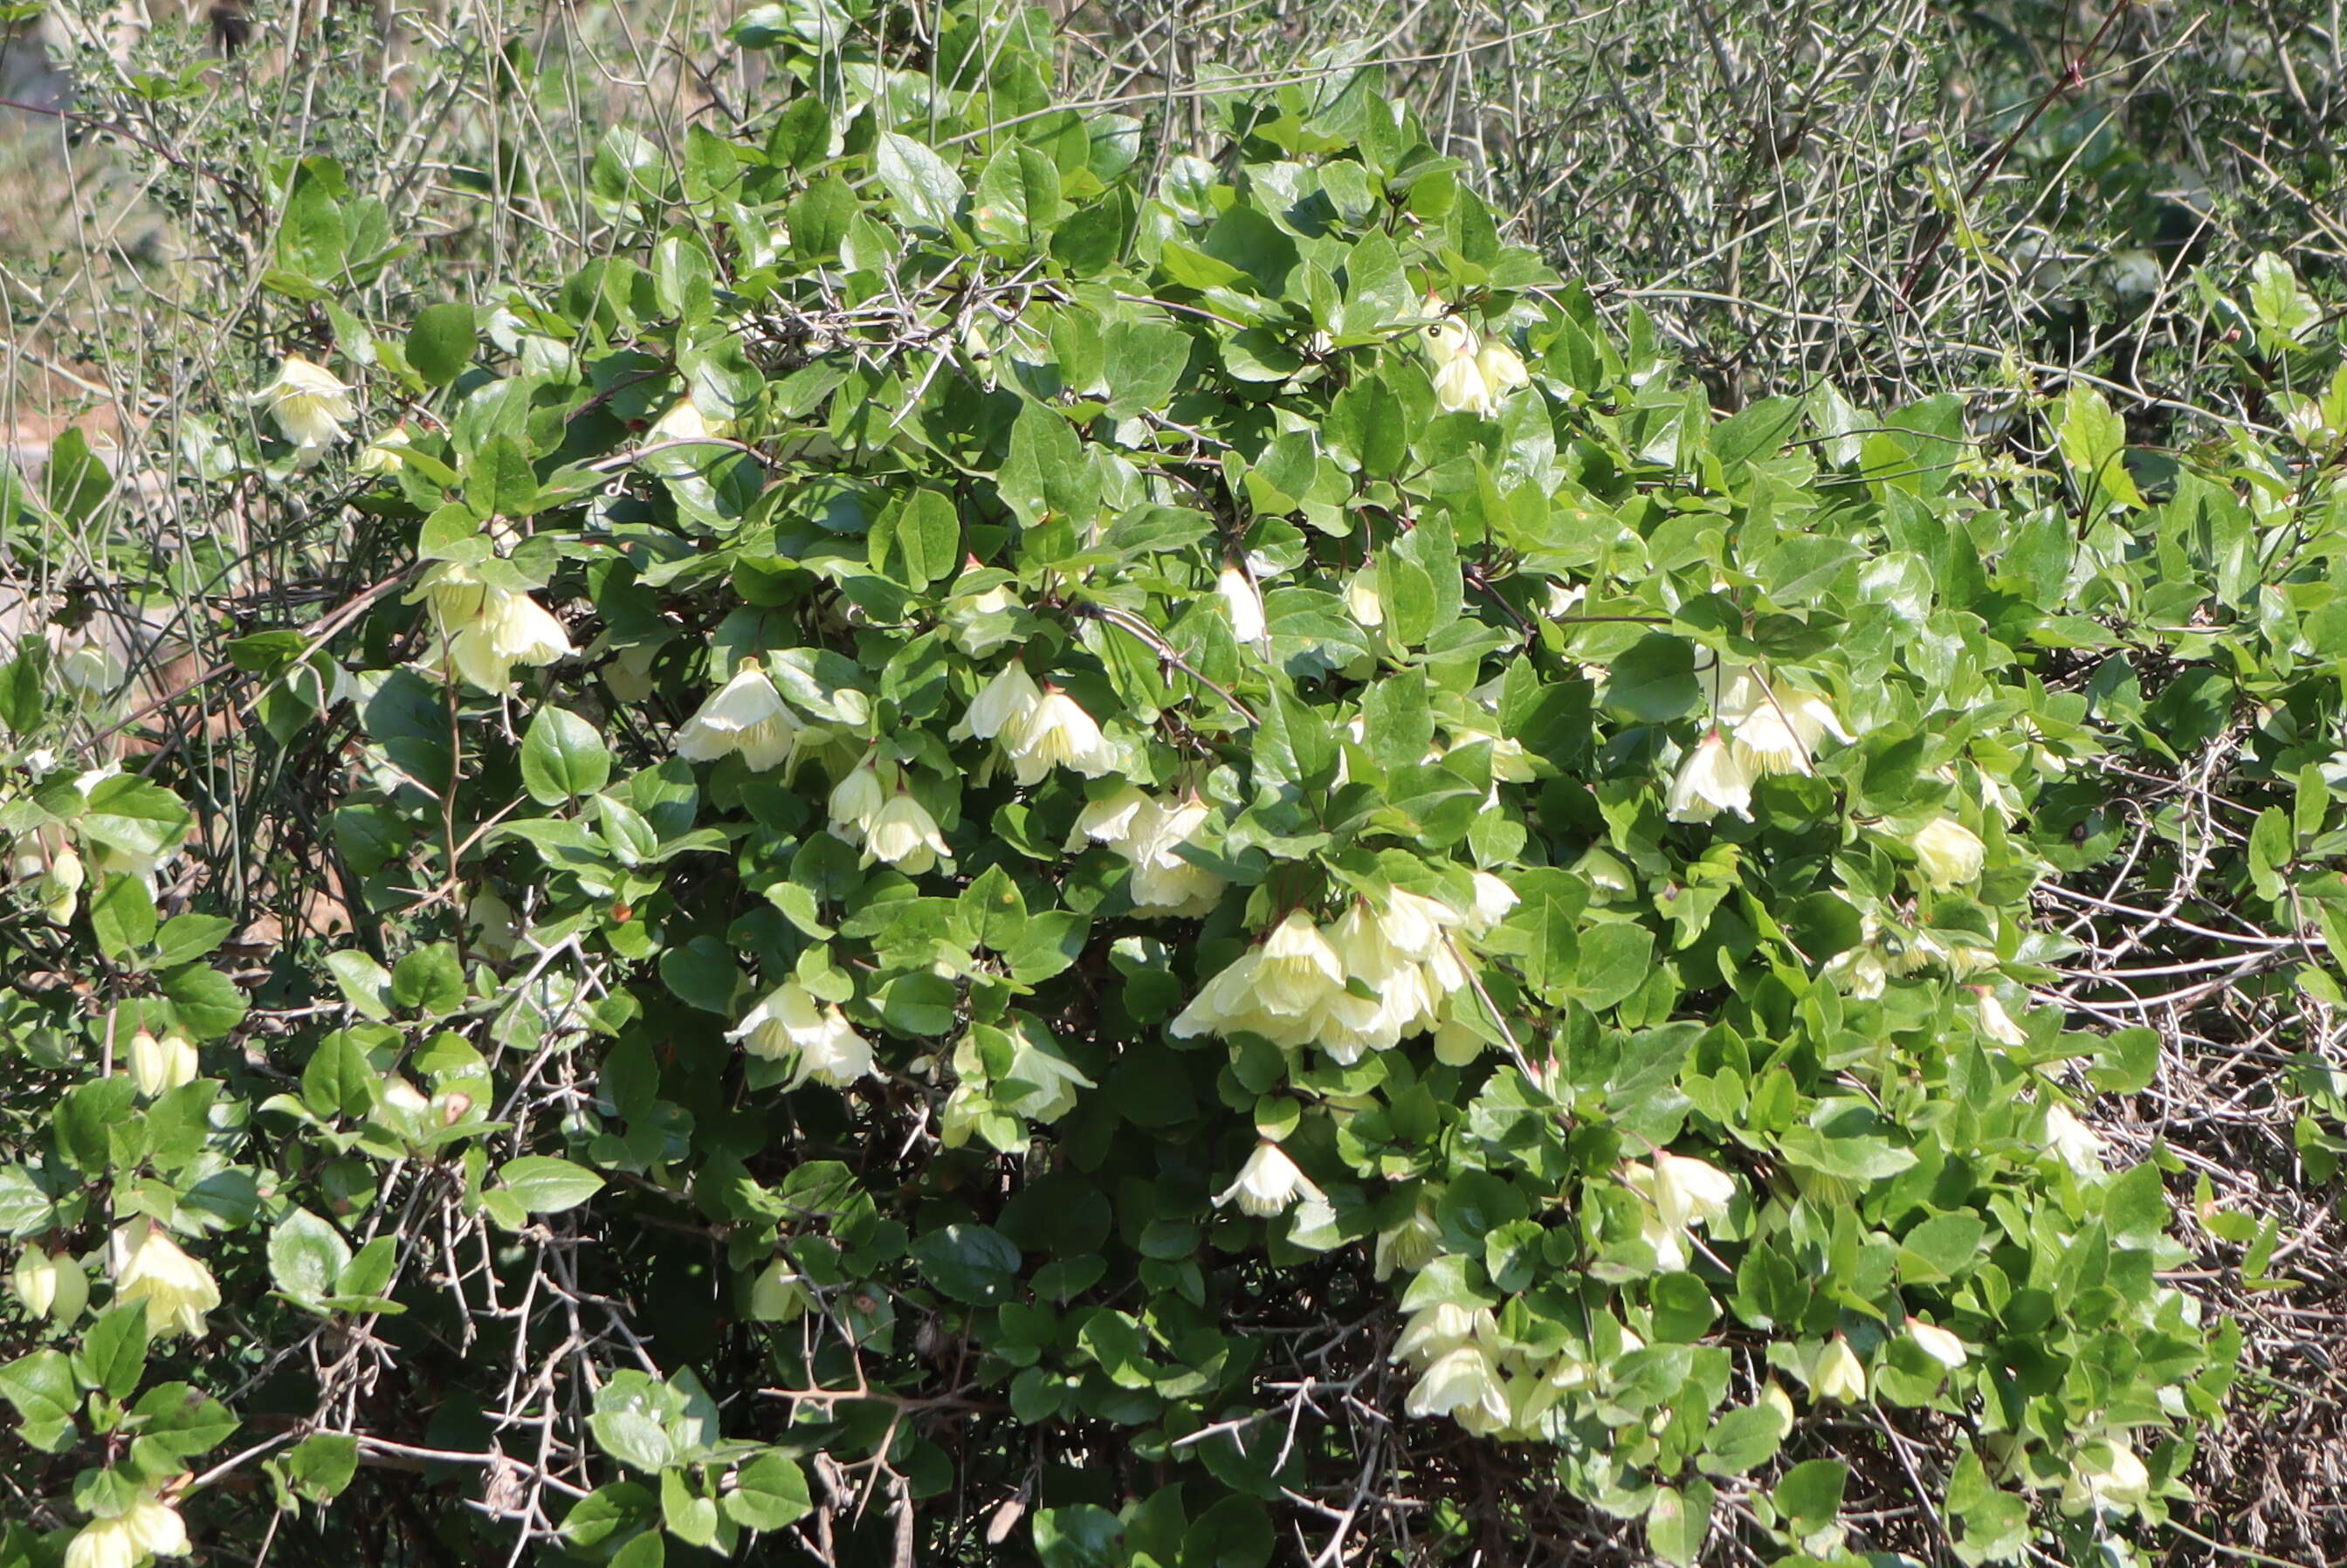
x=1054, y=852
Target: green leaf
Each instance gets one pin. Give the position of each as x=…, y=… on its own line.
x=2135, y=1208
x=114, y=1350
x=646, y=1551
x=1397, y=722
x=338, y=1080
x=1615, y=960
x=306, y=1255
x=429, y=980
x=322, y=1464
x=1810, y=1492
x=2271, y=850
x=970, y=1263
x=1654, y=678
x=547, y=1185
x=186, y=937
x=23, y=682
x=2278, y=303
x=86, y=1115
x=802, y=133
x=1945, y=1246
x=689, y=1517
x=703, y=972
x=365, y=984
x=928, y=536
x=499, y=481
x=1743, y=1439
x=769, y=1492
x=1082, y=1536
x=1018, y=197
x=205, y=1000
x=928, y=192
x=440, y=344
x=41, y=1387
x=122, y=916
x=1677, y=1523
x=1144, y=361
x=563, y=757
x=1047, y=474
x=2093, y=444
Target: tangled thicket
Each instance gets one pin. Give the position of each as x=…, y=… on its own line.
x=1005, y=840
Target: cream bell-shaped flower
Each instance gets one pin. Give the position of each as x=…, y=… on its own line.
x=1434, y=1332
x=2074, y=1141
x=1229, y=996
x=1114, y=820
x=1688, y=1191
x=102, y=1543
x=1298, y=967
x=906, y=835
x=1459, y=387
x=385, y=454
x=855, y=801
x=1493, y=898
x=1712, y=779
x=792, y=1021
x=1051, y=1080
x=1775, y=729
x=1001, y=705
x=1459, y=1384
x=50, y=1285
x=485, y=629
x=1501, y=369
x=160, y=1063
x=1058, y=734
x=1410, y=1245
x=149, y=1267
x=746, y=715
x=1994, y=1021
x=308, y=405
x=1947, y=854
x=1163, y=883
x=1270, y=1183
x=60, y=885
x=1244, y=602
x=1937, y=1343
x=1415, y=924
x=2106, y=1473
x=1838, y=1374
x=154, y=1526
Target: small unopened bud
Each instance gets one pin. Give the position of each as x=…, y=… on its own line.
x=158, y=1065
x=50, y=1285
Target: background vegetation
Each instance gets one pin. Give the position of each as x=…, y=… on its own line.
x=2054, y=216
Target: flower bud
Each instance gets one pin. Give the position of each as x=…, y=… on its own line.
x=50, y=1285
x=1838, y=1374
x=61, y=885
x=2106, y=1473
x=158, y=1066
x=1244, y=600
x=1937, y=1343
